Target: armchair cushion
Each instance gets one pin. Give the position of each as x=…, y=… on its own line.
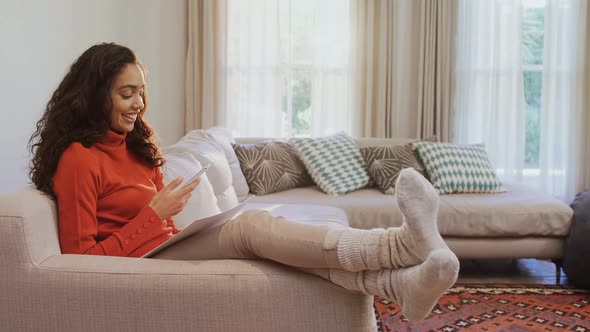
x=202, y=202
x=205, y=148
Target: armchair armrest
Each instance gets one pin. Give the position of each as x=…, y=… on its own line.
x=159, y=267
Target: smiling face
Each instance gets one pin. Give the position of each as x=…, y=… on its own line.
x=127, y=96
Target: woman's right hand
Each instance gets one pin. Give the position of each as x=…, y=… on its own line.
x=168, y=203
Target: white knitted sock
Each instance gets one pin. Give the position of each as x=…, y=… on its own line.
x=376, y=249
x=418, y=202
x=397, y=247
x=416, y=289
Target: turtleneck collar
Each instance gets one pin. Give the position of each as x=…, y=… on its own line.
x=114, y=139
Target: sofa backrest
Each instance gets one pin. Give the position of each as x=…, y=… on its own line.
x=28, y=224
x=361, y=141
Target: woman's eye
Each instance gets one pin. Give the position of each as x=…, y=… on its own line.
x=126, y=97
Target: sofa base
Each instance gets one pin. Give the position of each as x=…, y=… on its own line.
x=490, y=248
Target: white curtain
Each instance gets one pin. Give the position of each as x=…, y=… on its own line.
x=332, y=107
x=489, y=98
x=564, y=155
x=267, y=50
x=251, y=70
x=244, y=58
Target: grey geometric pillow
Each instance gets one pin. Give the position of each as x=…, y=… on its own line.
x=385, y=163
x=271, y=167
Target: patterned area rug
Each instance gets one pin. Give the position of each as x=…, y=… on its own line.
x=496, y=308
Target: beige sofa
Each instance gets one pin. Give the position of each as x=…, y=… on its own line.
x=520, y=223
x=43, y=290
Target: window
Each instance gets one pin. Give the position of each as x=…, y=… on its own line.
x=314, y=41
x=296, y=41
x=532, y=58
x=287, y=67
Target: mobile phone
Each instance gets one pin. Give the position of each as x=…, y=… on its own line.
x=199, y=173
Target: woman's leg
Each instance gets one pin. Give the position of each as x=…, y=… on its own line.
x=257, y=234
x=342, y=255
x=416, y=289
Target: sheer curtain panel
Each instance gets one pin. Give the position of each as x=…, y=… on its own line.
x=489, y=99
x=565, y=121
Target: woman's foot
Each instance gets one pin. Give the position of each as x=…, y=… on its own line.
x=397, y=247
x=418, y=201
x=416, y=289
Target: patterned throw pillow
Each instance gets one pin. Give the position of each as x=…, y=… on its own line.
x=271, y=167
x=459, y=168
x=422, y=169
x=334, y=162
x=385, y=163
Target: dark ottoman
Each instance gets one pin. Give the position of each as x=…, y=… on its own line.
x=576, y=263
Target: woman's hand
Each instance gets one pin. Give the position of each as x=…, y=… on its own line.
x=168, y=203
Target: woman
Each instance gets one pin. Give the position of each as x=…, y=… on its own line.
x=94, y=154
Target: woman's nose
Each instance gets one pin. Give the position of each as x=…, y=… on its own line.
x=138, y=103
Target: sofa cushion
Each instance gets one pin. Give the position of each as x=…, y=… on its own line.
x=459, y=168
x=271, y=167
x=204, y=148
x=202, y=202
x=304, y=213
x=520, y=211
x=334, y=162
x=224, y=138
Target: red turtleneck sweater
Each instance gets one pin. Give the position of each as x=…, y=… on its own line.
x=103, y=194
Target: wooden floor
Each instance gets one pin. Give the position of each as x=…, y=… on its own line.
x=517, y=271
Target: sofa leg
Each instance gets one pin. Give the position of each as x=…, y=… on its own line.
x=558, y=265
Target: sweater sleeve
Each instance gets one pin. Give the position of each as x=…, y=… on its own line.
x=76, y=184
x=159, y=182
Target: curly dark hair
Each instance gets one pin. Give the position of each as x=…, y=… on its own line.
x=79, y=111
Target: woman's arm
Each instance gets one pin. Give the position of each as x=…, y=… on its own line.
x=76, y=184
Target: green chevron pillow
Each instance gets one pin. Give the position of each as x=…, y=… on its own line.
x=459, y=168
x=334, y=162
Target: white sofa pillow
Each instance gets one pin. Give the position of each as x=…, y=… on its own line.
x=202, y=202
x=204, y=148
x=224, y=137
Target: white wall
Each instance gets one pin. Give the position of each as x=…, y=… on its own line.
x=39, y=41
